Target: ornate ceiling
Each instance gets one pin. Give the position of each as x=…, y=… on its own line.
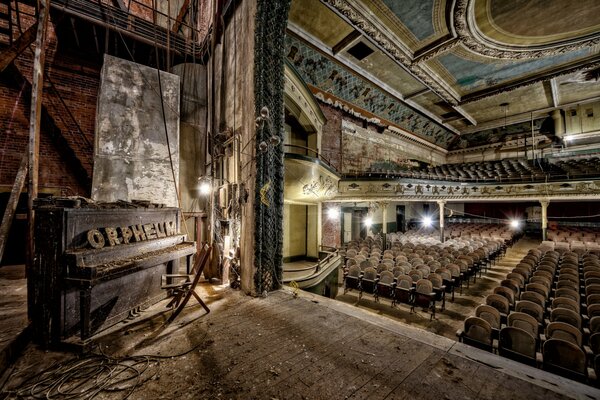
x=441, y=68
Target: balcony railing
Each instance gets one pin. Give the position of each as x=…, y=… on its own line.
x=308, y=152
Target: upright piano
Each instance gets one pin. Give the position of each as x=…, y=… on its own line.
x=96, y=265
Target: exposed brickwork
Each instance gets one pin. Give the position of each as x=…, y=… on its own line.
x=67, y=135
x=331, y=139
x=332, y=227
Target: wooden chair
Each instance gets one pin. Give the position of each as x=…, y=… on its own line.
x=518, y=345
x=477, y=332
x=183, y=291
x=564, y=358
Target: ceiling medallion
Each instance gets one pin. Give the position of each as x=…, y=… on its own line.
x=471, y=37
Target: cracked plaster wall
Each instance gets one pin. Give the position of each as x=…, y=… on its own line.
x=131, y=155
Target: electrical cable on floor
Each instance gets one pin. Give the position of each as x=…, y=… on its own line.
x=87, y=376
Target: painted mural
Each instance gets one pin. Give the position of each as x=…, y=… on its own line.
x=326, y=75
x=416, y=15
x=471, y=72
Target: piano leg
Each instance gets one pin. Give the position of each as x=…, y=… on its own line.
x=84, y=311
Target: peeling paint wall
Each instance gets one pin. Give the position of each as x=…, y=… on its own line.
x=131, y=153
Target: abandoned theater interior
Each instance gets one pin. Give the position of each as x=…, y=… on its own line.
x=299, y=199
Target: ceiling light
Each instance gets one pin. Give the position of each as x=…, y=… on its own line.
x=427, y=222
x=333, y=213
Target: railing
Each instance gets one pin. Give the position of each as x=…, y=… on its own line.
x=535, y=177
x=131, y=24
x=309, y=152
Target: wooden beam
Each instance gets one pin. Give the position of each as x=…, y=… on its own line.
x=182, y=12
x=120, y=4
x=345, y=42
x=555, y=92
x=8, y=55
x=13, y=200
x=35, y=114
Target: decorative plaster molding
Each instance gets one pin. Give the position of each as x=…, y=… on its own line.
x=362, y=22
x=470, y=37
x=393, y=190
x=475, y=96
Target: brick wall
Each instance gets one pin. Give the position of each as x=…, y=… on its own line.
x=331, y=139
x=331, y=227
x=67, y=134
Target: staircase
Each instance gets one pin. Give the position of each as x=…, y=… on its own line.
x=6, y=23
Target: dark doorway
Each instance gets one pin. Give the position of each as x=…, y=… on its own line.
x=400, y=219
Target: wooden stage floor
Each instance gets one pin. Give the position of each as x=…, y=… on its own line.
x=306, y=347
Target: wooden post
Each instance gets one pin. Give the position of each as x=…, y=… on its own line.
x=11, y=206
x=34, y=122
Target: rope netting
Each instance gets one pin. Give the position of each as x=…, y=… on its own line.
x=271, y=22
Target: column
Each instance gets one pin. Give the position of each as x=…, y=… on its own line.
x=384, y=217
x=319, y=226
x=441, y=204
x=544, y=204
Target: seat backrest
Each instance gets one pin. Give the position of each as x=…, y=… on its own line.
x=592, y=289
x=424, y=286
x=565, y=302
x=564, y=331
x=536, y=287
x=567, y=284
x=513, y=276
x=565, y=355
x=386, y=278
x=542, y=280
x=592, y=299
x=512, y=285
x=529, y=307
x=518, y=341
x=534, y=297
x=567, y=316
x=506, y=292
x=478, y=329
x=415, y=274
x=354, y=271
x=490, y=314
x=499, y=302
x=436, y=280
x=593, y=310
x=568, y=293
x=404, y=282
x=370, y=274
x=524, y=321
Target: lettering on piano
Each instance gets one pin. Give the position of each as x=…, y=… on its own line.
x=97, y=238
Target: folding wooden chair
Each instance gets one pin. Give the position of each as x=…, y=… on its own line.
x=183, y=291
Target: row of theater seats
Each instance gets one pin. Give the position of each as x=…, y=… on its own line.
x=546, y=313
x=456, y=230
x=571, y=234
x=507, y=170
x=576, y=246
x=576, y=168
x=416, y=274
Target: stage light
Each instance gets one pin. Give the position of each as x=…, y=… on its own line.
x=515, y=223
x=368, y=222
x=568, y=138
x=427, y=222
x=205, y=188
x=333, y=213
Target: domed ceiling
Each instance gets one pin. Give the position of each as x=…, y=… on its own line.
x=440, y=68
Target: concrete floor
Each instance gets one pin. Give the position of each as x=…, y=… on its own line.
x=302, y=346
